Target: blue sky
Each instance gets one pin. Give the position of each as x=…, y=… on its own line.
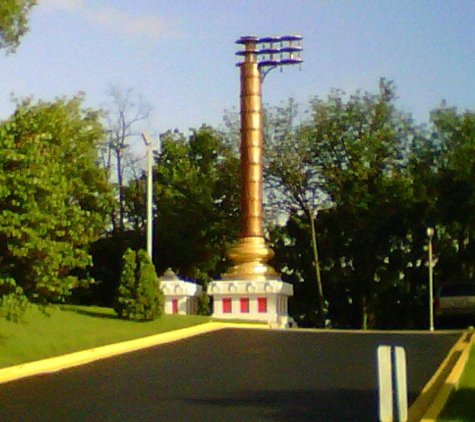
x=179, y=54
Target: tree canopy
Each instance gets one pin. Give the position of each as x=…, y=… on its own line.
x=195, y=211
x=13, y=22
x=376, y=181
x=355, y=180
x=196, y=195
x=54, y=198
x=351, y=169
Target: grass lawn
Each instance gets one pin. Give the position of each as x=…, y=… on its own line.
x=461, y=404
x=71, y=329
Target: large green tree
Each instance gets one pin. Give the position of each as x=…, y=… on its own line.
x=452, y=188
x=196, y=197
x=294, y=185
x=355, y=153
x=54, y=198
x=13, y=22
x=361, y=145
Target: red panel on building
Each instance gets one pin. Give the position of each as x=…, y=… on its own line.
x=244, y=301
x=262, y=304
x=227, y=305
x=174, y=306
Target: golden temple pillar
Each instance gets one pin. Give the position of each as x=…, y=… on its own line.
x=252, y=289
x=250, y=254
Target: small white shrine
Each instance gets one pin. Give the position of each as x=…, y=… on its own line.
x=181, y=297
x=252, y=300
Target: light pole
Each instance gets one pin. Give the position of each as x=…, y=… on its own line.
x=430, y=235
x=149, y=216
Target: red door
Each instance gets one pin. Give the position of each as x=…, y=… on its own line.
x=227, y=305
x=262, y=304
x=174, y=306
x=244, y=301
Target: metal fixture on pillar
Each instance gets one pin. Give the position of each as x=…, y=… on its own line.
x=260, y=55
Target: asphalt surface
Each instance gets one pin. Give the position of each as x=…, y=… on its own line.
x=229, y=375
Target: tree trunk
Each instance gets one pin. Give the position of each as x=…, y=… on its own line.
x=121, y=191
x=316, y=261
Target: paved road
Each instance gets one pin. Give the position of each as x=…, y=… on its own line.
x=227, y=376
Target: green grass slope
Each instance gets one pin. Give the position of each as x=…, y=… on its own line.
x=461, y=404
x=70, y=329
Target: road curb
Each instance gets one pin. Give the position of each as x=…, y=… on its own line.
x=70, y=360
x=434, y=396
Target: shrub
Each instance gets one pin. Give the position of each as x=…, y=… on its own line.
x=13, y=302
x=139, y=297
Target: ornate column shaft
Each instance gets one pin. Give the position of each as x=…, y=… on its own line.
x=251, y=146
x=250, y=254
x=251, y=289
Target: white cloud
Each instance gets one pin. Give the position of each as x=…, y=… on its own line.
x=121, y=21
x=68, y=5
x=114, y=19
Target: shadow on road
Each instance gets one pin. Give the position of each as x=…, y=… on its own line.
x=298, y=405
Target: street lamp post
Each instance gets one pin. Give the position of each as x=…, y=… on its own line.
x=149, y=216
x=430, y=235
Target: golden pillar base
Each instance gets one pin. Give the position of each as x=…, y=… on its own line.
x=250, y=255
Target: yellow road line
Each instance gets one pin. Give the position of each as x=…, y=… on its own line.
x=70, y=360
x=431, y=401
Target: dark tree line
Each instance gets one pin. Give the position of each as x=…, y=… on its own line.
x=354, y=184
x=382, y=181
x=351, y=187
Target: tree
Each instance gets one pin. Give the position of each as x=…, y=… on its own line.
x=125, y=112
x=294, y=184
x=139, y=297
x=54, y=198
x=106, y=253
x=362, y=149
x=13, y=22
x=453, y=190
x=294, y=259
x=204, y=303
x=196, y=195
x=196, y=212
x=363, y=146
x=353, y=155
x=13, y=302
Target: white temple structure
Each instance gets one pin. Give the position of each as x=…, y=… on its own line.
x=251, y=300
x=181, y=297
